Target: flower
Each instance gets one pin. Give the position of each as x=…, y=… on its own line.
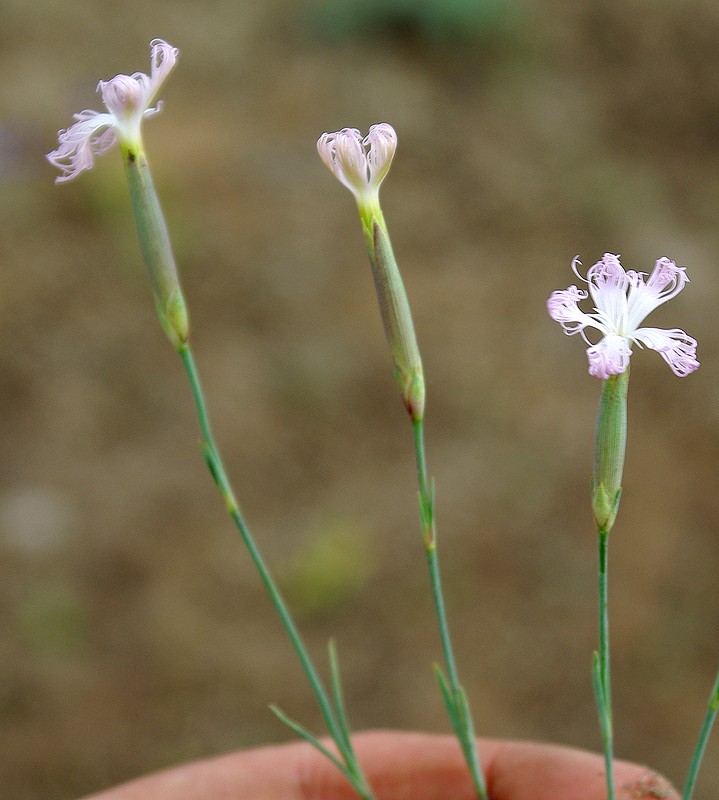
x=127, y=99
x=360, y=164
x=622, y=300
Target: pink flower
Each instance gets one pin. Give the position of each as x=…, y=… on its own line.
x=622, y=300
x=127, y=99
x=360, y=164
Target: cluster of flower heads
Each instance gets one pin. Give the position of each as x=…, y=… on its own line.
x=622, y=300
x=127, y=99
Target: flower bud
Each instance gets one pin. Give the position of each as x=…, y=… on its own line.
x=361, y=165
x=397, y=321
x=156, y=249
x=609, y=449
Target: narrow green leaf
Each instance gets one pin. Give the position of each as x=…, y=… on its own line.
x=600, y=697
x=210, y=459
x=467, y=740
x=300, y=730
x=597, y=681
x=464, y=713
x=338, y=699
x=706, y=729
x=449, y=699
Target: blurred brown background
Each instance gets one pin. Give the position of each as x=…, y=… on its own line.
x=133, y=631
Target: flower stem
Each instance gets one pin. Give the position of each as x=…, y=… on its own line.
x=609, y=451
x=602, y=681
x=334, y=718
x=452, y=691
x=712, y=710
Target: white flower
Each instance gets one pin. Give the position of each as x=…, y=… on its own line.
x=360, y=164
x=127, y=99
x=622, y=300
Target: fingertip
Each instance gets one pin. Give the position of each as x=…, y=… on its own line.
x=637, y=782
x=530, y=771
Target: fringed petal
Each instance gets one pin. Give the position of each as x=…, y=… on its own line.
x=163, y=57
x=664, y=283
x=90, y=136
x=608, y=283
x=677, y=348
x=609, y=357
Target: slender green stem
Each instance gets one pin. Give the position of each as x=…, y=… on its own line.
x=430, y=542
x=602, y=682
x=712, y=709
x=610, y=443
x=216, y=466
x=454, y=695
x=437, y=595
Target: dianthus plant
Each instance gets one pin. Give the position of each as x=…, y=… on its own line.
x=622, y=300
x=128, y=101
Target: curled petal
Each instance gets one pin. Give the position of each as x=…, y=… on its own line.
x=609, y=357
x=608, y=281
x=665, y=282
x=125, y=96
x=562, y=308
x=163, y=57
x=382, y=143
x=667, y=278
x=81, y=142
x=608, y=284
x=607, y=273
x=677, y=348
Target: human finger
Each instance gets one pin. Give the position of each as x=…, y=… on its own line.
x=399, y=766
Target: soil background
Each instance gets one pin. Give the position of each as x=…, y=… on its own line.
x=134, y=633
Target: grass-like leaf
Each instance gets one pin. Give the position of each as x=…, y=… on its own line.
x=300, y=730
x=338, y=699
